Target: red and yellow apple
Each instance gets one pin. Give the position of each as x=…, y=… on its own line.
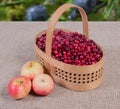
x=31, y=68
x=19, y=87
x=42, y=84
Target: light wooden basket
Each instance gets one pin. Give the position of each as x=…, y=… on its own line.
x=79, y=78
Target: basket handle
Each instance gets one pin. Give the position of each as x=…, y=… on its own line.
x=55, y=17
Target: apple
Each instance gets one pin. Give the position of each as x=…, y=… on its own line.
x=42, y=84
x=19, y=87
x=31, y=68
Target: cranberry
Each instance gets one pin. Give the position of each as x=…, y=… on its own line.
x=72, y=48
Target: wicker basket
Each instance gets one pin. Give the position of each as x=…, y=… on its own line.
x=79, y=78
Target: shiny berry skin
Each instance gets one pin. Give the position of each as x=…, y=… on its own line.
x=72, y=48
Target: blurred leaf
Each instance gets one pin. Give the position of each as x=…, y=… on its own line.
x=104, y=0
x=29, y=3
x=3, y=14
x=117, y=10
x=108, y=9
x=16, y=13
x=51, y=8
x=95, y=17
x=11, y=3
x=60, y=2
x=51, y=2
x=64, y=16
x=69, y=1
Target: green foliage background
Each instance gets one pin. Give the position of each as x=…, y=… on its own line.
x=15, y=10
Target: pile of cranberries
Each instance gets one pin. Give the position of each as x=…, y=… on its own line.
x=72, y=48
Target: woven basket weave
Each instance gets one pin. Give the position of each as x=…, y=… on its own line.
x=79, y=78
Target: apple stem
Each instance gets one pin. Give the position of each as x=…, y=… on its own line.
x=21, y=82
x=42, y=80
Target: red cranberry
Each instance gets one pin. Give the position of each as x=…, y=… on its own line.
x=72, y=48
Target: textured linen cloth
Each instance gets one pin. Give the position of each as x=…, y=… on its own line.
x=16, y=47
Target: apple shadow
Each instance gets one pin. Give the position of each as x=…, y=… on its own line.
x=32, y=93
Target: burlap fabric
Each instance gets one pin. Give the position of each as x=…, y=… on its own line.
x=16, y=47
